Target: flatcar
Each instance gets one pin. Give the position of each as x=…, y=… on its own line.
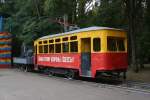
x=88, y=52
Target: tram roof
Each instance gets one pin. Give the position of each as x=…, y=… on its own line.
x=94, y=28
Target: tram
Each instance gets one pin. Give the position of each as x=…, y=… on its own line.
x=88, y=52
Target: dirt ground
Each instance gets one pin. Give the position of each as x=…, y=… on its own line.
x=16, y=85
x=143, y=75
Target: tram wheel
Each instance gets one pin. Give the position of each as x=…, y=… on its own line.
x=118, y=75
x=51, y=73
x=70, y=74
x=124, y=75
x=27, y=69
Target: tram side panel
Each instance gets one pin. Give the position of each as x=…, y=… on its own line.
x=105, y=62
x=71, y=61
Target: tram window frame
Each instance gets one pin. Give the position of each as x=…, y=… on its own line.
x=115, y=46
x=111, y=44
x=45, y=42
x=73, y=47
x=58, y=40
x=40, y=42
x=96, y=46
x=58, y=48
x=73, y=38
x=51, y=41
x=45, y=47
x=51, y=48
x=64, y=46
x=40, y=48
x=65, y=39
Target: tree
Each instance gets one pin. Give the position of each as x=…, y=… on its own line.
x=81, y=12
x=109, y=13
x=32, y=19
x=133, y=9
x=59, y=8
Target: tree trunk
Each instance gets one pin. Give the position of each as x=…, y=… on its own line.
x=130, y=8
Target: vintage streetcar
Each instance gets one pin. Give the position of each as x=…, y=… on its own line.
x=88, y=52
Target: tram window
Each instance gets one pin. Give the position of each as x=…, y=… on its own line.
x=45, y=48
x=73, y=37
x=96, y=44
x=57, y=40
x=40, y=49
x=57, y=48
x=65, y=39
x=65, y=47
x=120, y=44
x=40, y=42
x=115, y=44
x=111, y=44
x=51, y=41
x=45, y=42
x=74, y=46
x=51, y=48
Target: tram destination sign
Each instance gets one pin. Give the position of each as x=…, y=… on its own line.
x=56, y=59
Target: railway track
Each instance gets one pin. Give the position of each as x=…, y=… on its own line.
x=138, y=86
x=129, y=86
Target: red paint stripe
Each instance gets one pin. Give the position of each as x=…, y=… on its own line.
x=5, y=66
x=5, y=58
x=99, y=61
x=5, y=52
x=6, y=33
x=60, y=60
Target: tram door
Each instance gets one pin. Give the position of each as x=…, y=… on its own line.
x=86, y=57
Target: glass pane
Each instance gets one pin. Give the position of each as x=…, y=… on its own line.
x=51, y=41
x=40, y=49
x=96, y=44
x=40, y=42
x=73, y=37
x=65, y=39
x=111, y=44
x=66, y=47
x=74, y=46
x=57, y=40
x=45, y=48
x=51, y=48
x=45, y=42
x=57, y=48
x=121, y=46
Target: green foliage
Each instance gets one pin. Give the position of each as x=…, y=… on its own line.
x=58, y=8
x=109, y=14
x=31, y=19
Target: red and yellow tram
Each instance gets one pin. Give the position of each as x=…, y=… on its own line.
x=87, y=52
